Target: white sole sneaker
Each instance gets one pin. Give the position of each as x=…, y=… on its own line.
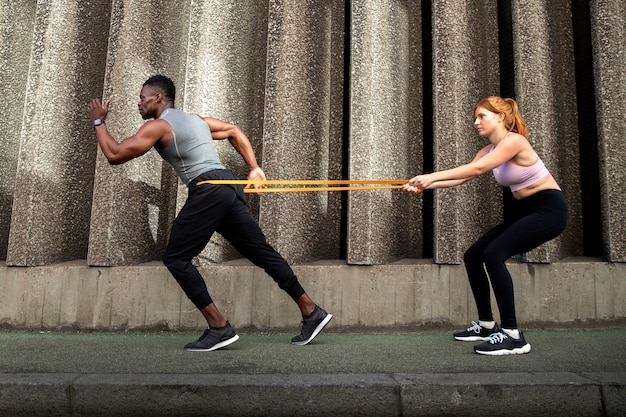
x=318, y=329
x=503, y=352
x=215, y=346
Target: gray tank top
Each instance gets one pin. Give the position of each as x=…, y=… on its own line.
x=191, y=150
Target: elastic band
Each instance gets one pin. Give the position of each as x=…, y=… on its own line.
x=335, y=185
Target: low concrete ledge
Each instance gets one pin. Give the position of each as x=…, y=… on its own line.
x=503, y=394
x=512, y=394
x=410, y=293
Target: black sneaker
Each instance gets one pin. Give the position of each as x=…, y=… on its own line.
x=502, y=343
x=476, y=333
x=311, y=326
x=213, y=338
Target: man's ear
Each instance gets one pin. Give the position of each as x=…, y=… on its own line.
x=158, y=97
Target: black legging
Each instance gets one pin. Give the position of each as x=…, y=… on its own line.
x=220, y=208
x=537, y=219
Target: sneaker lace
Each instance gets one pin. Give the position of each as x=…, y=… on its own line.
x=475, y=327
x=497, y=337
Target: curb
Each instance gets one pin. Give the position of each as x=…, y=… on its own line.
x=502, y=394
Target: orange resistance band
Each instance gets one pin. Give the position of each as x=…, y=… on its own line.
x=333, y=185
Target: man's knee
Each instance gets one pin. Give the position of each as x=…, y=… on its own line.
x=167, y=259
x=173, y=263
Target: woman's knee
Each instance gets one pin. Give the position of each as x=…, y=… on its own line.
x=473, y=256
x=493, y=255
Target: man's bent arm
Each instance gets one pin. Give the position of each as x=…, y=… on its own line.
x=131, y=147
x=223, y=130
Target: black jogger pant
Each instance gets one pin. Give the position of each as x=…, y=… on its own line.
x=220, y=208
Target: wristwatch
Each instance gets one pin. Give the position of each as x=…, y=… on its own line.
x=98, y=122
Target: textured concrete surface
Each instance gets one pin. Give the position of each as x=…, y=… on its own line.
x=568, y=372
x=410, y=293
x=55, y=165
x=544, y=70
x=16, y=32
x=455, y=141
x=385, y=108
x=303, y=125
x=609, y=44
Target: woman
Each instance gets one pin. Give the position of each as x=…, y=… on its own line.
x=540, y=215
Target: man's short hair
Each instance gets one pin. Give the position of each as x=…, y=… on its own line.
x=164, y=83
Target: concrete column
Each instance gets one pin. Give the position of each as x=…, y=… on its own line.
x=133, y=203
x=465, y=68
x=385, y=129
x=609, y=52
x=53, y=186
x=544, y=61
x=303, y=125
x=17, y=19
x=226, y=79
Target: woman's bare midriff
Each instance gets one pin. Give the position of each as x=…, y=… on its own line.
x=546, y=183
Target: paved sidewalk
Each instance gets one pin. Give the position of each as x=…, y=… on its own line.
x=573, y=373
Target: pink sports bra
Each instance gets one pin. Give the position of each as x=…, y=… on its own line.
x=515, y=176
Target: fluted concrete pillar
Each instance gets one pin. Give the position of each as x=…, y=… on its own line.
x=465, y=68
x=17, y=19
x=226, y=79
x=303, y=125
x=609, y=51
x=133, y=203
x=544, y=61
x=53, y=186
x=385, y=129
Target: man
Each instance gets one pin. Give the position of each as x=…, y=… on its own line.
x=186, y=142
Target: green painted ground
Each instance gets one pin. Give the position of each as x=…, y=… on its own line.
x=552, y=351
